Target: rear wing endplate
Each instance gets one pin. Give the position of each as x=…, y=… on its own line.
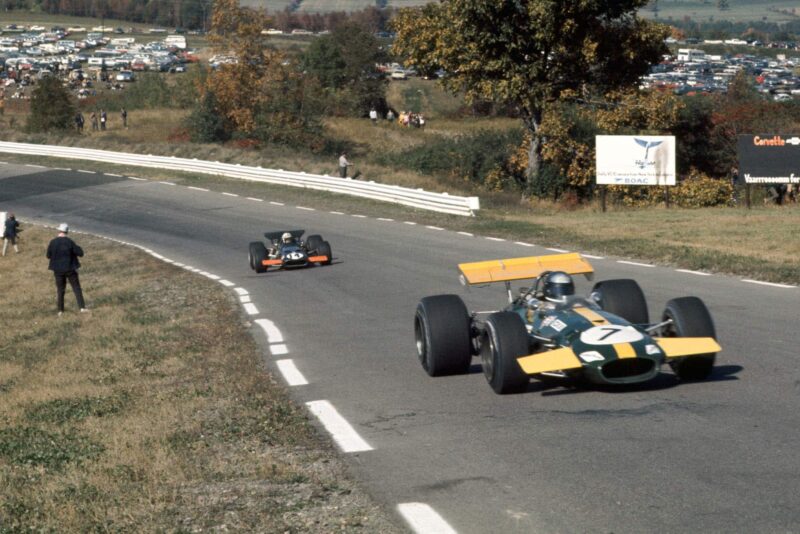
x=484, y=272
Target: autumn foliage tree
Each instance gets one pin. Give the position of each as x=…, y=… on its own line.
x=260, y=94
x=530, y=53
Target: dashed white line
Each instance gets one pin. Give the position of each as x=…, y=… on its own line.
x=290, y=373
x=637, y=264
x=277, y=203
x=241, y=291
x=336, y=213
x=137, y=179
x=559, y=250
x=771, y=284
x=86, y=172
x=3, y=163
x=468, y=234
x=305, y=208
x=279, y=349
x=114, y=175
x=410, y=223
x=360, y=216
x=698, y=273
x=495, y=239
x=273, y=334
x=434, y=227
x=157, y=256
x=342, y=432
x=251, y=309
x=591, y=257
x=226, y=283
x=255, y=199
x=194, y=188
x=60, y=168
x=35, y=166
x=386, y=219
x=424, y=519
x=524, y=244
x=176, y=263
x=244, y=298
x=230, y=194
x=211, y=276
x=166, y=183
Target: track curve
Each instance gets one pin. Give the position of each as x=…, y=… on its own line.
x=712, y=456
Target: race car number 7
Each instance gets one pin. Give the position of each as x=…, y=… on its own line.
x=610, y=334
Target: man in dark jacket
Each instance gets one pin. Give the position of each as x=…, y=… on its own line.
x=63, y=254
x=10, y=231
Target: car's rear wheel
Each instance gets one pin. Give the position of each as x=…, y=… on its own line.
x=503, y=341
x=690, y=317
x=624, y=298
x=324, y=249
x=258, y=252
x=313, y=242
x=442, y=333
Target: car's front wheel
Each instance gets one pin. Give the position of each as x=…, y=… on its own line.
x=689, y=317
x=313, y=242
x=503, y=341
x=258, y=252
x=324, y=249
x=442, y=330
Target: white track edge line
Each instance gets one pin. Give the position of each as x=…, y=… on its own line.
x=337, y=426
x=291, y=373
x=423, y=519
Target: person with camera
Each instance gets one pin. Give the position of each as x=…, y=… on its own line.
x=63, y=254
x=10, y=233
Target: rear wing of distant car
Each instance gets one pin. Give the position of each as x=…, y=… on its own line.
x=485, y=272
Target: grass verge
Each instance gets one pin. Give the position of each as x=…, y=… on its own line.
x=152, y=412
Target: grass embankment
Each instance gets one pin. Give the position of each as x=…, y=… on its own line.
x=152, y=412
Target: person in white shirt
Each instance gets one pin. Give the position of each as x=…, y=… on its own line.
x=343, y=164
x=373, y=116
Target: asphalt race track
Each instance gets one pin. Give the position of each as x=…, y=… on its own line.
x=716, y=456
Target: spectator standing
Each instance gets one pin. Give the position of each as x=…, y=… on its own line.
x=93, y=118
x=421, y=121
x=373, y=116
x=10, y=231
x=124, y=115
x=79, y=120
x=390, y=116
x=103, y=118
x=343, y=164
x=63, y=254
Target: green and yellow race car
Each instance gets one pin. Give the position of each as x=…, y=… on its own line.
x=547, y=330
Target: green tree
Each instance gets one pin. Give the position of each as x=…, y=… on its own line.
x=205, y=123
x=723, y=5
x=51, y=107
x=345, y=61
x=530, y=52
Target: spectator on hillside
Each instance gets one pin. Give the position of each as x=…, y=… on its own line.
x=124, y=115
x=373, y=116
x=79, y=122
x=103, y=119
x=93, y=119
x=390, y=116
x=343, y=164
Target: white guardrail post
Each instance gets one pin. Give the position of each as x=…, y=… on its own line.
x=417, y=198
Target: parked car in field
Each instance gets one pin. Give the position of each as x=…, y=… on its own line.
x=125, y=76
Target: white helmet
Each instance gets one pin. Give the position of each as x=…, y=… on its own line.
x=286, y=237
x=63, y=227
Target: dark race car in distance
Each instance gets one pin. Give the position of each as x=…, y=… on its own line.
x=286, y=249
x=547, y=330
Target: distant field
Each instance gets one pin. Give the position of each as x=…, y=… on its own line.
x=324, y=6
x=740, y=10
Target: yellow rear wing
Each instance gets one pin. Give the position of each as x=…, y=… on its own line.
x=484, y=272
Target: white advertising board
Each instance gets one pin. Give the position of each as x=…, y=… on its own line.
x=635, y=159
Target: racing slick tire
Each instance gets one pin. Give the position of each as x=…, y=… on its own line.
x=504, y=340
x=258, y=252
x=442, y=333
x=324, y=249
x=690, y=318
x=622, y=297
x=313, y=242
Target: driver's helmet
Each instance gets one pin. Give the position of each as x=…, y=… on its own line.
x=558, y=286
x=287, y=238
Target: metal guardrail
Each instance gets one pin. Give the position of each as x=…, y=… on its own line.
x=417, y=198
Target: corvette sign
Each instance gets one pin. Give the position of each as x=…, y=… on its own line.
x=769, y=159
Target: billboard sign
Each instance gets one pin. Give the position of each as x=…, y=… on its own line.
x=769, y=159
x=635, y=159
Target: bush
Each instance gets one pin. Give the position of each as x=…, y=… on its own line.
x=51, y=107
x=205, y=123
x=698, y=190
x=481, y=158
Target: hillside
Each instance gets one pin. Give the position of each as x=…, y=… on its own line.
x=700, y=10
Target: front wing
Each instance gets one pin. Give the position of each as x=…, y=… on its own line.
x=564, y=359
